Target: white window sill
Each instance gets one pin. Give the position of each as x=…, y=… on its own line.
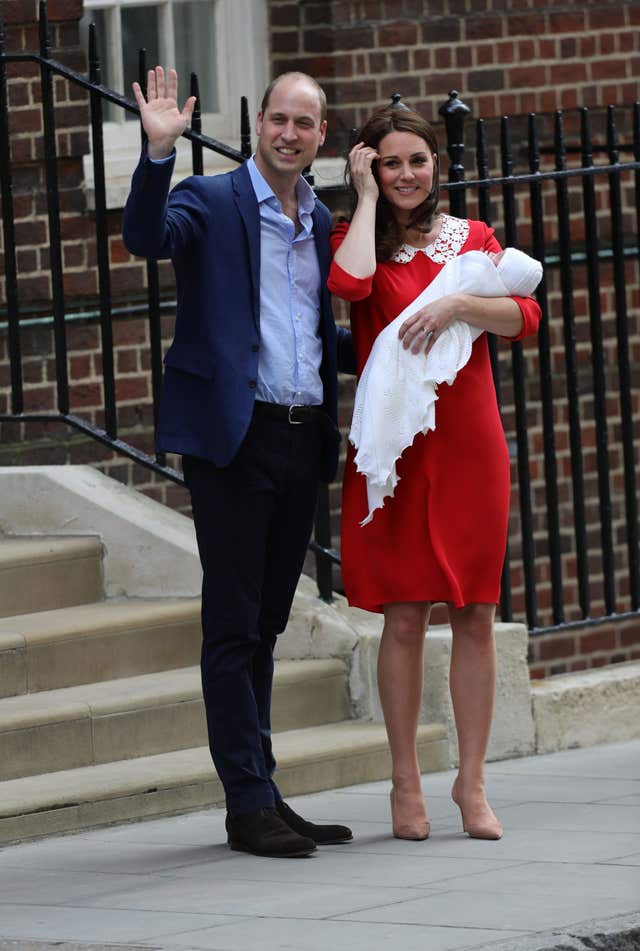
x=326, y=172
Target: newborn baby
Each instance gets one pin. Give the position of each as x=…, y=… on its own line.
x=396, y=394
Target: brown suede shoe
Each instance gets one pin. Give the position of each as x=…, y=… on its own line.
x=264, y=833
x=321, y=835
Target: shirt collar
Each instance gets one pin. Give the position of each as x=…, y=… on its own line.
x=264, y=191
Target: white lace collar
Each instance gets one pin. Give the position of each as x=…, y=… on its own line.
x=451, y=237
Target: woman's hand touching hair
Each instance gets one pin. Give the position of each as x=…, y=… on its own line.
x=361, y=158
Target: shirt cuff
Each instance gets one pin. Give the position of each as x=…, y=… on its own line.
x=161, y=161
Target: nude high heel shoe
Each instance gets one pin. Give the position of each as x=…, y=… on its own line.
x=483, y=826
x=406, y=821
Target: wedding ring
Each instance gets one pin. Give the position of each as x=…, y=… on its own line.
x=428, y=334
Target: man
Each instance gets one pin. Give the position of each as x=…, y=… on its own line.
x=249, y=400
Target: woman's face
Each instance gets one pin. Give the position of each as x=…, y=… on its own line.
x=405, y=170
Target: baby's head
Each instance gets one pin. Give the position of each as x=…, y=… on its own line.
x=520, y=273
x=495, y=256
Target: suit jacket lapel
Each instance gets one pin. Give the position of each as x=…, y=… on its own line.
x=321, y=237
x=323, y=250
x=248, y=208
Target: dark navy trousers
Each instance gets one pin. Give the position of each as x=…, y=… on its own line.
x=253, y=521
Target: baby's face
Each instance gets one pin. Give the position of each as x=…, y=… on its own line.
x=496, y=256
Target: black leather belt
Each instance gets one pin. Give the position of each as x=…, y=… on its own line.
x=295, y=415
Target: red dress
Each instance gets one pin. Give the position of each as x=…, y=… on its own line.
x=442, y=536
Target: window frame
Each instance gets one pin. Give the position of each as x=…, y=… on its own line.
x=242, y=68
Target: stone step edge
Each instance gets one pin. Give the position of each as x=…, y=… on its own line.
x=103, y=640
x=17, y=551
x=130, y=694
x=181, y=768
x=579, y=680
x=41, y=575
x=587, y=707
x=309, y=760
x=84, y=621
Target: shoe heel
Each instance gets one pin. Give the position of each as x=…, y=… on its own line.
x=490, y=830
x=416, y=831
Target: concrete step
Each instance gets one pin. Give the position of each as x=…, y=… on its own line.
x=46, y=650
x=309, y=760
x=40, y=573
x=148, y=714
x=587, y=707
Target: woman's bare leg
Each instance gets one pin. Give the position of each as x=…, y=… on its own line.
x=472, y=682
x=400, y=681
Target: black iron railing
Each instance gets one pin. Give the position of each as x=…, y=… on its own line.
x=573, y=241
x=617, y=249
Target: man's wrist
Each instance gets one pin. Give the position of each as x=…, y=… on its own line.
x=157, y=151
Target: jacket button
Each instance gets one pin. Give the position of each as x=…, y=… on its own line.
x=252, y=384
x=254, y=348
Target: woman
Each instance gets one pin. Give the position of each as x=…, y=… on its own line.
x=442, y=536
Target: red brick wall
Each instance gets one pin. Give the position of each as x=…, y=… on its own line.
x=34, y=444
x=516, y=59
x=27, y=151
x=584, y=648
x=56, y=443
x=77, y=224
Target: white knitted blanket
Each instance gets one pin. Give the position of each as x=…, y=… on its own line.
x=396, y=395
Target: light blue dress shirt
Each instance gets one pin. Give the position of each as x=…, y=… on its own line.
x=290, y=344
x=291, y=348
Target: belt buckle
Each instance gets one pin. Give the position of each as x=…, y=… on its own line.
x=295, y=422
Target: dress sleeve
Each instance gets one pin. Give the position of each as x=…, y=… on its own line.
x=340, y=282
x=529, y=307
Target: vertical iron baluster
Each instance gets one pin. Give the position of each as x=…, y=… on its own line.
x=571, y=368
x=53, y=208
x=482, y=164
x=519, y=395
x=322, y=534
x=454, y=112
x=245, y=128
x=196, y=125
x=546, y=382
x=102, y=241
x=9, y=234
x=636, y=158
x=622, y=332
x=142, y=80
x=597, y=361
x=484, y=208
x=153, y=293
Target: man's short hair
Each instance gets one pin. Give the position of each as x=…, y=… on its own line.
x=299, y=76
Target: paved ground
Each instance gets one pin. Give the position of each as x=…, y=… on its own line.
x=568, y=866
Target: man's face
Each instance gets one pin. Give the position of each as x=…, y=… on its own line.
x=290, y=131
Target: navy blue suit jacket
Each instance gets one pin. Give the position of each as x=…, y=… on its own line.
x=210, y=228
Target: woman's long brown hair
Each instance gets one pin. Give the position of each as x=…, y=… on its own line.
x=389, y=233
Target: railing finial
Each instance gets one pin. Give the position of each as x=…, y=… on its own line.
x=93, y=56
x=196, y=125
x=396, y=102
x=454, y=111
x=245, y=128
x=43, y=30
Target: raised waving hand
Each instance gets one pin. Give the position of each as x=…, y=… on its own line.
x=161, y=119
